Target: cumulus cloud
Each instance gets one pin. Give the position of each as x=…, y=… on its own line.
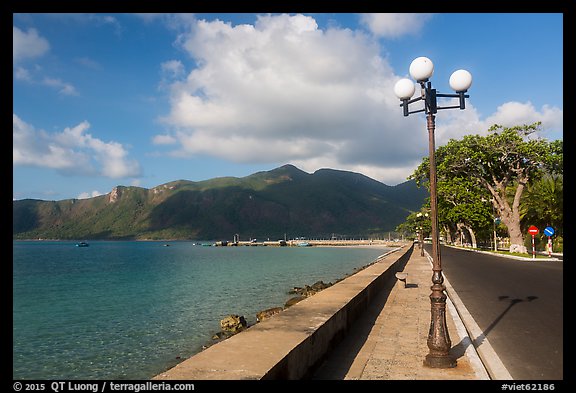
x=456, y=124
x=21, y=73
x=86, y=195
x=164, y=140
x=176, y=21
x=72, y=151
x=394, y=25
x=515, y=113
x=30, y=45
x=173, y=69
x=62, y=87
x=88, y=63
x=27, y=45
x=170, y=71
x=284, y=90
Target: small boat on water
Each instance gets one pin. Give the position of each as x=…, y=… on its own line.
x=82, y=244
x=304, y=244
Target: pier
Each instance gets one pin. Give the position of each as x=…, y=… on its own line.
x=317, y=243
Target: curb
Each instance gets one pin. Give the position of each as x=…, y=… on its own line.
x=508, y=256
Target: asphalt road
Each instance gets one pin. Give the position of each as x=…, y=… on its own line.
x=518, y=304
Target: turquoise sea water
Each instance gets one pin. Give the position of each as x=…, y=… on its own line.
x=130, y=310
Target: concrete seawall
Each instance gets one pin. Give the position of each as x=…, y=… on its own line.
x=291, y=344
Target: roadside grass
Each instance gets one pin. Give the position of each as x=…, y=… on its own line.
x=507, y=253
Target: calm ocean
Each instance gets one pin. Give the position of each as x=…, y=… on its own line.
x=130, y=310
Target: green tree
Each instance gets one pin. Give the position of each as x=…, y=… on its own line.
x=415, y=221
x=542, y=205
x=462, y=206
x=502, y=164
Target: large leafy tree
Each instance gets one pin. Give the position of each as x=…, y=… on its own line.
x=502, y=164
x=542, y=205
x=462, y=206
x=415, y=222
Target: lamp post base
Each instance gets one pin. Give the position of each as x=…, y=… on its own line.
x=438, y=338
x=442, y=361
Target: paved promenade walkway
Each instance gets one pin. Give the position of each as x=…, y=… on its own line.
x=389, y=341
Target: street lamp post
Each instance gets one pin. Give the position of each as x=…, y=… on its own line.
x=421, y=237
x=494, y=220
x=421, y=241
x=421, y=70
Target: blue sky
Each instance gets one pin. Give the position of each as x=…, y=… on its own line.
x=101, y=100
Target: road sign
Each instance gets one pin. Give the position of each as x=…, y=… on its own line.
x=533, y=230
x=549, y=231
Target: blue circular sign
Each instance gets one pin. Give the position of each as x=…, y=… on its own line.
x=549, y=231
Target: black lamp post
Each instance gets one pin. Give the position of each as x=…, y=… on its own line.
x=494, y=221
x=421, y=70
x=421, y=236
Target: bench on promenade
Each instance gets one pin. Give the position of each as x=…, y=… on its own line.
x=401, y=276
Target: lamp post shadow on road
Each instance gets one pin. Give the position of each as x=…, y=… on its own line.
x=421, y=69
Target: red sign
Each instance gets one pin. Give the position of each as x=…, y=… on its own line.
x=533, y=230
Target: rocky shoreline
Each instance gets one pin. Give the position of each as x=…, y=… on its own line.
x=233, y=323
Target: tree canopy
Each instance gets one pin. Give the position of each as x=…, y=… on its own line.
x=497, y=167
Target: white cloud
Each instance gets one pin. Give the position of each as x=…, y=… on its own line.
x=62, y=87
x=517, y=113
x=21, y=73
x=454, y=124
x=283, y=90
x=72, y=151
x=27, y=45
x=164, y=140
x=170, y=71
x=30, y=45
x=88, y=63
x=176, y=21
x=394, y=25
x=173, y=68
x=85, y=195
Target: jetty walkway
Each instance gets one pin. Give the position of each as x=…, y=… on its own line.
x=315, y=242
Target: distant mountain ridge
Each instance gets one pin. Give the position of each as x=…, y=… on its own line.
x=268, y=204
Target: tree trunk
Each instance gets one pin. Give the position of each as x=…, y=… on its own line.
x=460, y=233
x=472, y=235
x=510, y=215
x=448, y=234
x=516, y=238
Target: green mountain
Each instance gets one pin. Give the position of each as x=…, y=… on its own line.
x=264, y=205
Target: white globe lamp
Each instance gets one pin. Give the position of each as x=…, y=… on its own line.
x=460, y=81
x=404, y=89
x=421, y=69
